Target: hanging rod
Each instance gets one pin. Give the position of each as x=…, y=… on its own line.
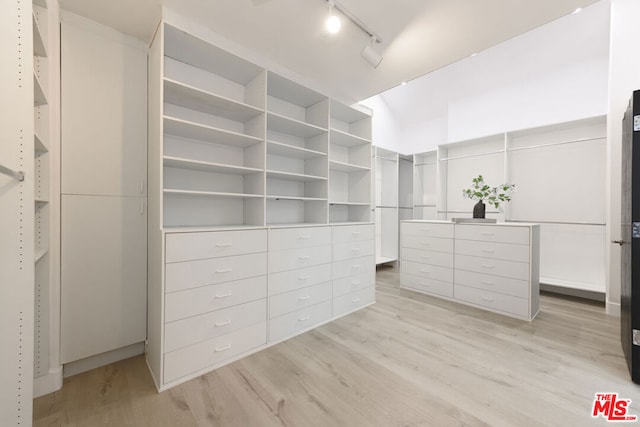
x=406, y=160
x=10, y=172
x=558, y=143
x=473, y=155
x=558, y=222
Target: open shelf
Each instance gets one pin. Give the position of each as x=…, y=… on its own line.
x=289, y=126
x=384, y=259
x=346, y=114
x=39, y=97
x=39, y=46
x=40, y=253
x=187, y=96
x=197, y=193
x=340, y=203
x=287, y=150
x=39, y=145
x=346, y=167
x=177, y=162
x=294, y=176
x=346, y=139
x=191, y=130
x=304, y=199
x=41, y=3
x=40, y=201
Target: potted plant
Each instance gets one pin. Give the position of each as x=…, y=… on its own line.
x=482, y=192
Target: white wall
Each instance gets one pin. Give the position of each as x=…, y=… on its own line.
x=624, y=77
x=386, y=130
x=423, y=136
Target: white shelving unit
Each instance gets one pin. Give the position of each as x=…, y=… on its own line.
x=386, y=204
x=259, y=207
x=349, y=164
x=425, y=166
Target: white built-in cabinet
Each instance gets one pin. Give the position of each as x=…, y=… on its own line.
x=103, y=192
x=560, y=174
x=386, y=207
x=259, y=207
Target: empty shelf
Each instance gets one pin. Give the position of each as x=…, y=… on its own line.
x=294, y=176
x=346, y=167
x=177, y=162
x=200, y=132
x=289, y=126
x=286, y=150
x=346, y=139
x=198, y=193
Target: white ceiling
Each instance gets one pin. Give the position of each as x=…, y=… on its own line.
x=419, y=36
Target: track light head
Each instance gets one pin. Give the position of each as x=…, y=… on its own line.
x=333, y=23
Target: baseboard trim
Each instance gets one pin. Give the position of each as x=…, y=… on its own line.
x=573, y=292
x=613, y=309
x=84, y=365
x=48, y=383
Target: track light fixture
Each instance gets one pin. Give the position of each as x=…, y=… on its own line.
x=372, y=56
x=332, y=23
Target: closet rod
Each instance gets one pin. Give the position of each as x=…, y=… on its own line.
x=19, y=175
x=387, y=207
x=558, y=143
x=385, y=158
x=473, y=155
x=558, y=222
x=406, y=160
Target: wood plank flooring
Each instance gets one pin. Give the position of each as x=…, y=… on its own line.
x=409, y=360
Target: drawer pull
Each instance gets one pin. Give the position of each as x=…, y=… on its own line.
x=304, y=277
x=223, y=245
x=227, y=295
x=425, y=243
x=355, y=233
x=488, y=251
x=425, y=271
x=486, y=282
x=487, y=266
x=486, y=233
x=425, y=256
x=223, y=348
x=305, y=237
x=356, y=249
x=304, y=318
x=225, y=323
x=425, y=229
x=355, y=266
x=224, y=270
x=304, y=298
x=355, y=300
x=303, y=257
x=355, y=283
x=487, y=299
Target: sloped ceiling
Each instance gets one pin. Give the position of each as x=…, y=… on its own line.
x=419, y=36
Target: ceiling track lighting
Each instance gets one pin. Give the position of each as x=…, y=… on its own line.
x=333, y=24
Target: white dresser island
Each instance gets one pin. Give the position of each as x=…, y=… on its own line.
x=490, y=266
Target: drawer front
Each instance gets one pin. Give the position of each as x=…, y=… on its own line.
x=430, y=286
x=354, y=300
x=212, y=352
x=487, y=282
x=191, y=302
x=191, y=274
x=428, y=229
x=495, y=267
x=492, y=300
x=352, y=267
x=493, y=233
x=292, y=323
x=345, y=251
x=353, y=283
x=436, y=244
x=298, y=299
x=506, y=251
x=442, y=259
x=295, y=279
x=443, y=274
x=192, y=330
x=353, y=233
x=292, y=259
x=213, y=244
x=301, y=237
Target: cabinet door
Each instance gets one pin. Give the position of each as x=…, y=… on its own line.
x=104, y=112
x=103, y=283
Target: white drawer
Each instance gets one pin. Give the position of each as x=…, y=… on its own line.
x=191, y=302
x=353, y=266
x=430, y=286
x=353, y=283
x=191, y=274
x=292, y=323
x=492, y=300
x=353, y=233
x=506, y=251
x=495, y=267
x=192, y=330
x=300, y=237
x=442, y=259
x=192, y=246
x=298, y=258
x=214, y=351
x=487, y=282
x=298, y=299
x=345, y=251
x=295, y=279
x=428, y=229
x=354, y=300
x=493, y=233
x=443, y=274
x=438, y=244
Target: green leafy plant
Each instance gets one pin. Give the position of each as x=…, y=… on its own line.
x=482, y=192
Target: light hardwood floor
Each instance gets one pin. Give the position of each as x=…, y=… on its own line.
x=409, y=360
